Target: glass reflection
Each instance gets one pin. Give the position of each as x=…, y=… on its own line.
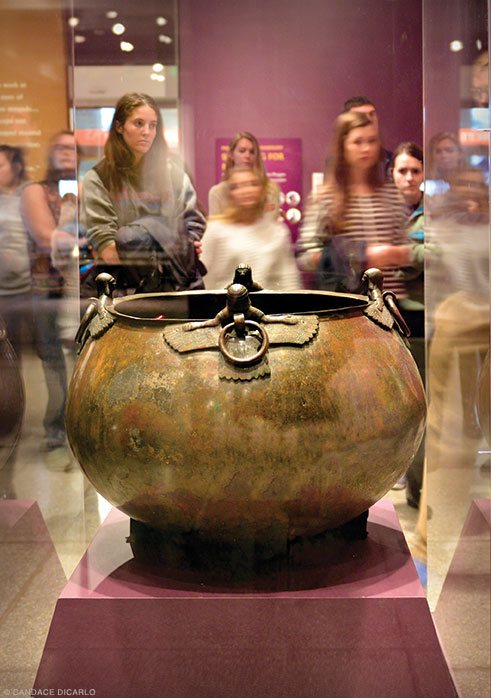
x=49, y=216
x=458, y=325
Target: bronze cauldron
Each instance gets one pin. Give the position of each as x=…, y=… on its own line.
x=253, y=423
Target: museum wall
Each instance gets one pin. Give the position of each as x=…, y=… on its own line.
x=283, y=70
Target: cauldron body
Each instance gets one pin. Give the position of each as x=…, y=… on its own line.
x=306, y=448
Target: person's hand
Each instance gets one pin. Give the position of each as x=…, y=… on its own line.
x=198, y=246
x=381, y=256
x=315, y=259
x=109, y=254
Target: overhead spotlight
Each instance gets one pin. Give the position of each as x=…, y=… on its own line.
x=456, y=46
x=157, y=67
x=164, y=39
x=161, y=21
x=111, y=14
x=158, y=77
x=118, y=29
x=73, y=21
x=79, y=39
x=478, y=44
x=126, y=46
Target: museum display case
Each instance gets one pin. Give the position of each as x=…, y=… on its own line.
x=288, y=609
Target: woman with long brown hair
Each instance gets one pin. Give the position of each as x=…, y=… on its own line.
x=357, y=220
x=138, y=201
x=243, y=151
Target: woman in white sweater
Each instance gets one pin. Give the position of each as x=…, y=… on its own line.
x=243, y=151
x=242, y=234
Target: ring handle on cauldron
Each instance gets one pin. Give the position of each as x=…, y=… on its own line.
x=239, y=325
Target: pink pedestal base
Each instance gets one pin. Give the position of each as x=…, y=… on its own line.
x=356, y=626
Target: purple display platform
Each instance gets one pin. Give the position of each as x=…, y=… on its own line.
x=464, y=603
x=342, y=620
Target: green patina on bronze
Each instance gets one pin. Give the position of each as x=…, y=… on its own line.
x=303, y=449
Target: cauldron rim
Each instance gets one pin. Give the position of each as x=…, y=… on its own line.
x=264, y=300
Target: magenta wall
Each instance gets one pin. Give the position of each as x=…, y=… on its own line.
x=283, y=68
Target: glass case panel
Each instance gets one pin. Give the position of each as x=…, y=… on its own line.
x=47, y=513
x=456, y=78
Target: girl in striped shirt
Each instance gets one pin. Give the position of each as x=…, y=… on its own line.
x=357, y=220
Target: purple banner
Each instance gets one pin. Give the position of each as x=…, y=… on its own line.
x=283, y=163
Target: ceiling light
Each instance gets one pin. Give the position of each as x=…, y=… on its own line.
x=161, y=21
x=79, y=39
x=157, y=76
x=111, y=14
x=478, y=44
x=118, y=29
x=456, y=45
x=73, y=21
x=126, y=46
x=164, y=39
x=157, y=67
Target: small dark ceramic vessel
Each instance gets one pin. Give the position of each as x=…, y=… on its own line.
x=12, y=400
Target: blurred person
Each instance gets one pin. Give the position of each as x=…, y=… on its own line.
x=364, y=105
x=243, y=151
x=408, y=174
x=468, y=194
x=459, y=229
x=480, y=80
x=139, y=207
x=458, y=311
x=357, y=220
x=42, y=211
x=243, y=234
x=445, y=157
x=465, y=197
x=15, y=275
